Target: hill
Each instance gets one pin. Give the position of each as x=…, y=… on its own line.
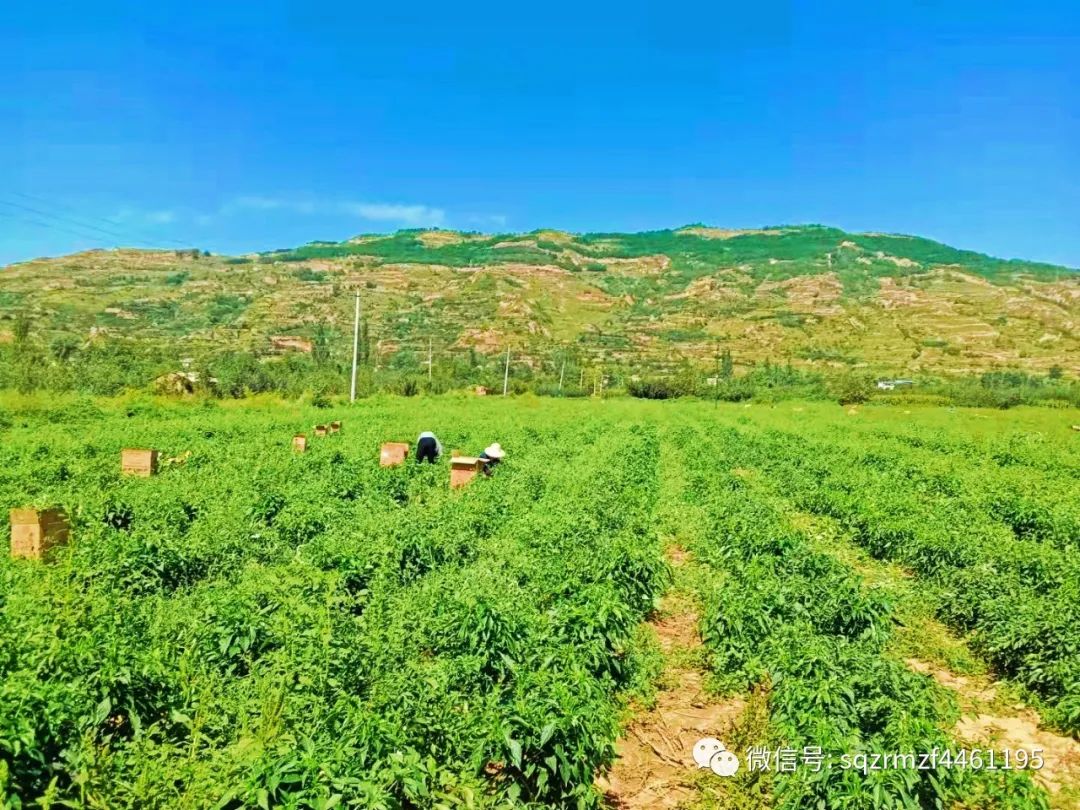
x=811, y=295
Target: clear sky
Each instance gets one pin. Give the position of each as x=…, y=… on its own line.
x=238, y=126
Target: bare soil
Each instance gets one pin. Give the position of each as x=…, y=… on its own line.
x=726, y=233
x=1016, y=728
x=655, y=764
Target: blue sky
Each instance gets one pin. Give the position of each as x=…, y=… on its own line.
x=250, y=126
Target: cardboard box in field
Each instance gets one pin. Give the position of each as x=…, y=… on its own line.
x=321, y=430
x=335, y=427
x=36, y=532
x=463, y=469
x=138, y=462
x=392, y=454
x=299, y=443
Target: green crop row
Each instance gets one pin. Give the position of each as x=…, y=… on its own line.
x=802, y=626
x=1019, y=598
x=252, y=628
x=256, y=628
x=1023, y=451
x=1037, y=504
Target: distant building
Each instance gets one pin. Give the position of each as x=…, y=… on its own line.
x=889, y=385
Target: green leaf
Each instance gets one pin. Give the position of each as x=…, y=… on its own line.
x=545, y=734
x=103, y=710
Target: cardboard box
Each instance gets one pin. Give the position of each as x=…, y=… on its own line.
x=463, y=469
x=481, y=391
x=36, y=532
x=335, y=427
x=393, y=453
x=138, y=462
x=321, y=430
x=299, y=443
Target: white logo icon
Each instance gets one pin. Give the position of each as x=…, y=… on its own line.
x=724, y=763
x=711, y=753
x=705, y=749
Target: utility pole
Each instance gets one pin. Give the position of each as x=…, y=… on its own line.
x=355, y=348
x=562, y=372
x=506, y=372
x=581, y=378
x=429, y=359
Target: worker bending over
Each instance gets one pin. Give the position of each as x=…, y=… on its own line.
x=492, y=455
x=428, y=448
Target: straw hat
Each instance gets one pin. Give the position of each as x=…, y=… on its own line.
x=494, y=451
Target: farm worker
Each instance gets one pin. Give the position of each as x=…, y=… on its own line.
x=428, y=447
x=491, y=456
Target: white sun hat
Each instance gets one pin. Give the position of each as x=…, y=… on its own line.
x=494, y=451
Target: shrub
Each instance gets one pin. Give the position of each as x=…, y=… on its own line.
x=735, y=389
x=852, y=390
x=656, y=388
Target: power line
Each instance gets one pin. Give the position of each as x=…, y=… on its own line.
x=43, y=201
x=53, y=226
x=80, y=215
x=86, y=226
x=69, y=221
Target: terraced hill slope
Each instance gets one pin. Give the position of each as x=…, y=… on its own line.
x=811, y=295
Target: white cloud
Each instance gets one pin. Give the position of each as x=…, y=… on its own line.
x=415, y=215
x=405, y=214
x=140, y=216
x=258, y=203
x=412, y=215
x=487, y=220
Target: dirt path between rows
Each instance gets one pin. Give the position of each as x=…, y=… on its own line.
x=655, y=767
x=991, y=715
x=984, y=724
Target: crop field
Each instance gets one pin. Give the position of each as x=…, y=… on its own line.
x=257, y=628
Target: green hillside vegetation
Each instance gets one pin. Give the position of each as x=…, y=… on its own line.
x=651, y=305
x=804, y=245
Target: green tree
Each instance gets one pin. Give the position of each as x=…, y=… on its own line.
x=63, y=347
x=686, y=380
x=322, y=341
x=852, y=389
x=364, y=351
x=21, y=329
